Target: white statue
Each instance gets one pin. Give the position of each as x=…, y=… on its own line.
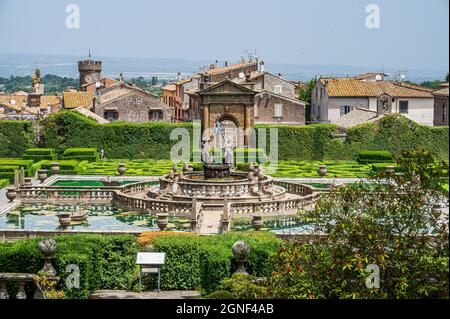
x=206, y=156
x=228, y=152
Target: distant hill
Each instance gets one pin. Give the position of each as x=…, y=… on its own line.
x=66, y=66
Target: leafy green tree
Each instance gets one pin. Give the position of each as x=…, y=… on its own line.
x=392, y=224
x=305, y=95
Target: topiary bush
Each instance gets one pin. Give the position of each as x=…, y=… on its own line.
x=40, y=154
x=81, y=154
x=369, y=157
x=9, y=165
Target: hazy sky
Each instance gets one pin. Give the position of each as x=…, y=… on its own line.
x=412, y=33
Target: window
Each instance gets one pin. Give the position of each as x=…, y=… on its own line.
x=111, y=115
x=155, y=115
x=403, y=107
x=345, y=109
x=321, y=93
x=278, y=89
x=444, y=112
x=278, y=110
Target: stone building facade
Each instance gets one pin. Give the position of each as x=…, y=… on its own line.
x=130, y=104
x=273, y=108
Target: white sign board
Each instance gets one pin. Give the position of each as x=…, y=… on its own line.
x=151, y=258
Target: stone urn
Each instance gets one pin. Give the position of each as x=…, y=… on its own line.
x=390, y=169
x=48, y=250
x=11, y=194
x=257, y=222
x=122, y=168
x=65, y=219
x=162, y=221
x=42, y=175
x=322, y=171
x=436, y=211
x=55, y=168
x=240, y=251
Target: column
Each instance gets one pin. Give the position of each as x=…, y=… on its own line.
x=205, y=119
x=247, y=125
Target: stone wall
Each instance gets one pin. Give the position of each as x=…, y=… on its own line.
x=135, y=107
x=293, y=113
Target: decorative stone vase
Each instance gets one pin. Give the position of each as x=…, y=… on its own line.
x=48, y=250
x=322, y=171
x=162, y=221
x=11, y=193
x=240, y=251
x=65, y=219
x=55, y=168
x=436, y=211
x=42, y=175
x=122, y=168
x=257, y=222
x=389, y=169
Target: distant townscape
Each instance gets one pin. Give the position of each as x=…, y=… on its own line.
x=275, y=99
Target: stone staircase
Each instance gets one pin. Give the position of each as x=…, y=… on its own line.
x=210, y=220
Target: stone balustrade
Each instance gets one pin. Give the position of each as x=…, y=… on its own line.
x=64, y=195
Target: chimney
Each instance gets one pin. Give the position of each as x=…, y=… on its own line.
x=248, y=74
x=262, y=66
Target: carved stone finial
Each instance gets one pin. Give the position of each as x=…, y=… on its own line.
x=240, y=252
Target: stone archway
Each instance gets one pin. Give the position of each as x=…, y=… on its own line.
x=230, y=128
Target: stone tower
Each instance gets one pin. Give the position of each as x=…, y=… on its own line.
x=90, y=71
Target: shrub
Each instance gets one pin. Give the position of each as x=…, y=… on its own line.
x=68, y=129
x=15, y=137
x=246, y=155
x=105, y=262
x=81, y=154
x=369, y=157
x=9, y=165
x=4, y=183
x=197, y=262
x=67, y=167
x=40, y=154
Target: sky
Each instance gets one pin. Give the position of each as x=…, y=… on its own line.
x=411, y=33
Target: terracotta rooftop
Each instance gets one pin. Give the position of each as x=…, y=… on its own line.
x=230, y=68
x=13, y=102
x=442, y=92
x=170, y=87
x=351, y=87
x=49, y=100
x=358, y=116
x=73, y=100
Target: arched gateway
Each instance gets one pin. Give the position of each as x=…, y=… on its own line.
x=227, y=108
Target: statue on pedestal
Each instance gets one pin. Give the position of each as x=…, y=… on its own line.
x=228, y=152
x=206, y=155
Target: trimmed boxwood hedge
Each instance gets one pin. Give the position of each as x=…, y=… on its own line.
x=15, y=138
x=69, y=129
x=4, y=183
x=199, y=262
x=105, y=262
x=369, y=157
x=108, y=262
x=40, y=154
x=81, y=154
x=9, y=165
x=67, y=167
